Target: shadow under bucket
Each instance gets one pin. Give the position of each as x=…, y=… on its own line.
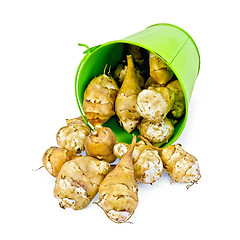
x=169, y=42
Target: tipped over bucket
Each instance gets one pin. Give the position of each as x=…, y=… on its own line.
x=171, y=43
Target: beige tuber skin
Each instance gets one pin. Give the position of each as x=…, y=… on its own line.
x=72, y=137
x=159, y=70
x=125, y=105
x=99, y=99
x=147, y=164
x=120, y=73
x=156, y=133
x=179, y=164
x=154, y=103
x=118, y=193
x=78, y=181
x=100, y=143
x=54, y=158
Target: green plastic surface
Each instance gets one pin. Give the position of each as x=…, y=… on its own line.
x=171, y=43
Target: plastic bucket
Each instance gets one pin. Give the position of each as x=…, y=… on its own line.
x=169, y=42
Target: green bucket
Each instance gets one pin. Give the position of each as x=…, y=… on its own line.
x=169, y=42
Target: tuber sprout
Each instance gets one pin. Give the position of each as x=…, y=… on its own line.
x=120, y=73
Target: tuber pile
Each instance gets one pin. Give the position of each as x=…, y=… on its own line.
x=179, y=164
x=118, y=192
x=78, y=181
x=152, y=107
x=147, y=164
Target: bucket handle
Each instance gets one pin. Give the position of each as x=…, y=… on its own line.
x=86, y=52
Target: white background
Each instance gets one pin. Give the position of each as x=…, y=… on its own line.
x=39, y=57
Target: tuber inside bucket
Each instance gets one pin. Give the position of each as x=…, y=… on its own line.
x=169, y=42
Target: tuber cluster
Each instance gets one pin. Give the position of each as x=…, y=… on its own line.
x=147, y=164
x=145, y=95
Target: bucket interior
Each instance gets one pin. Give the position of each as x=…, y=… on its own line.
x=100, y=60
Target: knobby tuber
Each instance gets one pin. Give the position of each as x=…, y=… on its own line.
x=55, y=157
x=100, y=143
x=99, y=98
x=118, y=192
x=179, y=164
x=120, y=73
x=72, y=136
x=154, y=103
x=78, y=181
x=157, y=133
x=147, y=164
x=125, y=105
x=159, y=70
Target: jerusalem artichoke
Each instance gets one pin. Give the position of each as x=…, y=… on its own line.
x=78, y=181
x=99, y=98
x=147, y=164
x=156, y=133
x=120, y=73
x=100, y=143
x=126, y=99
x=72, y=136
x=154, y=103
x=159, y=70
x=55, y=157
x=118, y=193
